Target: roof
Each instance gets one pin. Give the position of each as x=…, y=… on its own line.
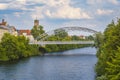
x=12, y=27
x=4, y=27
x=28, y=32
x=3, y=23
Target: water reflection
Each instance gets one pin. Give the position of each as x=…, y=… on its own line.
x=52, y=67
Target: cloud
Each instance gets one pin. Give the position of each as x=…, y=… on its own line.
x=18, y=14
x=104, y=12
x=113, y=1
x=37, y=13
x=3, y=6
x=18, y=4
x=68, y=12
x=50, y=2
x=93, y=1
x=15, y=4
x=60, y=9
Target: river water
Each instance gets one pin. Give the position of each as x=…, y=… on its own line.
x=76, y=64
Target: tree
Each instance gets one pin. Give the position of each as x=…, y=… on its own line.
x=90, y=37
x=107, y=67
x=74, y=37
x=98, y=39
x=61, y=33
x=37, y=31
x=16, y=47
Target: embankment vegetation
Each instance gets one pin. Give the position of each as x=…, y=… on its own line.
x=108, y=65
x=16, y=47
x=62, y=35
x=59, y=35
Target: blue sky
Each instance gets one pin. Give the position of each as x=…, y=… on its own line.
x=93, y=14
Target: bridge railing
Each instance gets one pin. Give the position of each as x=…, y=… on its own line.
x=62, y=42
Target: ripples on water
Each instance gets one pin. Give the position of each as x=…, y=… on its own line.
x=78, y=66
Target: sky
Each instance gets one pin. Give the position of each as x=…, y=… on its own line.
x=53, y=14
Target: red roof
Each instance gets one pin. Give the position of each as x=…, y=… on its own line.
x=28, y=32
x=3, y=23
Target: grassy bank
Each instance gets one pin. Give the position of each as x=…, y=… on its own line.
x=58, y=48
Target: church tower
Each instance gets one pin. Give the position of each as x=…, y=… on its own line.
x=36, y=22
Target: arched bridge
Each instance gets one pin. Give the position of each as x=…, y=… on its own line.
x=43, y=36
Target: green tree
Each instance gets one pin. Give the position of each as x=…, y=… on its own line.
x=90, y=37
x=107, y=67
x=16, y=47
x=74, y=37
x=61, y=33
x=99, y=38
x=37, y=31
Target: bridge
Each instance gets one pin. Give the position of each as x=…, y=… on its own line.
x=62, y=42
x=43, y=36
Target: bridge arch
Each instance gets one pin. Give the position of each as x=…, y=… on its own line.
x=72, y=28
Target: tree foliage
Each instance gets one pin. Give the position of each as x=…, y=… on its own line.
x=37, y=31
x=108, y=65
x=62, y=35
x=16, y=47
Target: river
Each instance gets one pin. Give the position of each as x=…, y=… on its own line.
x=76, y=64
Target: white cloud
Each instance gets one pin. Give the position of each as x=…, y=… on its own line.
x=104, y=12
x=18, y=14
x=18, y=4
x=21, y=1
x=3, y=6
x=50, y=2
x=93, y=1
x=60, y=9
x=51, y=9
x=15, y=4
x=113, y=1
x=102, y=1
x=37, y=13
x=68, y=12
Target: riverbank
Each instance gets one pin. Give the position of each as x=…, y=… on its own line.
x=16, y=47
x=59, y=48
x=108, y=54
x=77, y=52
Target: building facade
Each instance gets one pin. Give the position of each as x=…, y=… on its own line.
x=13, y=30
x=27, y=34
x=5, y=28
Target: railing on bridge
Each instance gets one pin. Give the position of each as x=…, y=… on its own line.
x=61, y=42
